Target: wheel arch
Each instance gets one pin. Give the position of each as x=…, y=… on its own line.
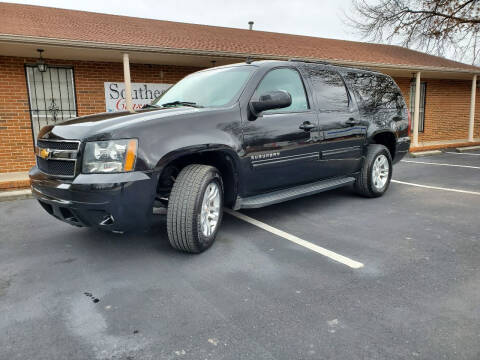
x=222, y=157
x=387, y=139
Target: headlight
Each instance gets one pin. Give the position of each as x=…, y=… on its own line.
x=110, y=156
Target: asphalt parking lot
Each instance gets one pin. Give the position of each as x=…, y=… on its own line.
x=81, y=294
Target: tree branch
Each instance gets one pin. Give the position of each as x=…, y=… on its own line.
x=438, y=26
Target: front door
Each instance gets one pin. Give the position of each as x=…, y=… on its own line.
x=281, y=145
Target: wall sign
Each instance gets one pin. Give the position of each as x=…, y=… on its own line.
x=142, y=94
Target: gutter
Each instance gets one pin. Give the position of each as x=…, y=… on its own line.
x=166, y=50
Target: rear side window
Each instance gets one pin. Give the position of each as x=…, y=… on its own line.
x=288, y=80
x=328, y=88
x=375, y=91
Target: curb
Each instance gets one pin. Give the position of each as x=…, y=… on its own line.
x=467, y=148
x=425, y=153
x=15, y=195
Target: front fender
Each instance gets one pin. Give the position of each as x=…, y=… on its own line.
x=196, y=149
x=162, y=141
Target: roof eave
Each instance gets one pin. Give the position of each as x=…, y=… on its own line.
x=167, y=50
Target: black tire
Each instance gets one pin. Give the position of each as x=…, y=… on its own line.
x=184, y=208
x=364, y=184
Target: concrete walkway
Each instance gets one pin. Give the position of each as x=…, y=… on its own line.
x=14, y=180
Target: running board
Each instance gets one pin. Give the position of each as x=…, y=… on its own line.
x=278, y=196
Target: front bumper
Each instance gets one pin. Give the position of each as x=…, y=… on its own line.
x=114, y=202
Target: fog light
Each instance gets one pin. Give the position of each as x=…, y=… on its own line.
x=106, y=186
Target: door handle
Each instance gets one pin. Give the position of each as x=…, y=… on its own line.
x=351, y=121
x=307, y=126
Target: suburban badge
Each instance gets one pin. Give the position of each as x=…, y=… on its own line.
x=265, y=156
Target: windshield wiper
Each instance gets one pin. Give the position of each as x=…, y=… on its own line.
x=182, y=103
x=147, y=106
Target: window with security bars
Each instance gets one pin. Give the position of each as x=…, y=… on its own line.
x=421, y=114
x=52, y=96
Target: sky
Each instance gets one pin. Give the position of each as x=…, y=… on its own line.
x=320, y=18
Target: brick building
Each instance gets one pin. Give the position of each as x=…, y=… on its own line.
x=86, y=56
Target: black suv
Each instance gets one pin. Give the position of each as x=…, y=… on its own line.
x=242, y=136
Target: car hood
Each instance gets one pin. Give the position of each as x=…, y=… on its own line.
x=107, y=125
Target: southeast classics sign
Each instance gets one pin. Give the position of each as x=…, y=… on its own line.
x=142, y=94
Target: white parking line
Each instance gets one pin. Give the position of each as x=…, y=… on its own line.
x=440, y=164
x=457, y=153
x=436, y=187
x=318, y=249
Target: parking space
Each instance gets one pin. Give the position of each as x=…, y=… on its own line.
x=68, y=292
x=450, y=170
x=452, y=157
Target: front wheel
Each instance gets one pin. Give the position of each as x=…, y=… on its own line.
x=376, y=172
x=195, y=208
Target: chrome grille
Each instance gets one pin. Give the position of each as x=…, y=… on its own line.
x=56, y=167
x=58, y=145
x=57, y=157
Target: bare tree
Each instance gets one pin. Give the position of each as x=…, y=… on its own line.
x=442, y=27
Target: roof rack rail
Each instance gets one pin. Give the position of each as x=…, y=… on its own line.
x=332, y=64
x=311, y=61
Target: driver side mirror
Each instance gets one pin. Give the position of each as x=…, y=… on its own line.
x=269, y=101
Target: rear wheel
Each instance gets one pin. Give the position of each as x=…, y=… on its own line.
x=195, y=208
x=376, y=172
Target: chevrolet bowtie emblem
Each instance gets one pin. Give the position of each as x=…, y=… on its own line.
x=44, y=153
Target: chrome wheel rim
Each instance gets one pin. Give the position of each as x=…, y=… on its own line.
x=380, y=172
x=210, y=209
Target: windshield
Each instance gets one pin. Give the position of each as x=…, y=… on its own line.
x=212, y=88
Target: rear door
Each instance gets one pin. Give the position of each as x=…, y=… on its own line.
x=342, y=130
x=281, y=145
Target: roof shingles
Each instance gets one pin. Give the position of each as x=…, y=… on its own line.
x=45, y=22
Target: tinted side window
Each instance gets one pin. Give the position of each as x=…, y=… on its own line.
x=389, y=94
x=375, y=91
x=328, y=88
x=288, y=80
